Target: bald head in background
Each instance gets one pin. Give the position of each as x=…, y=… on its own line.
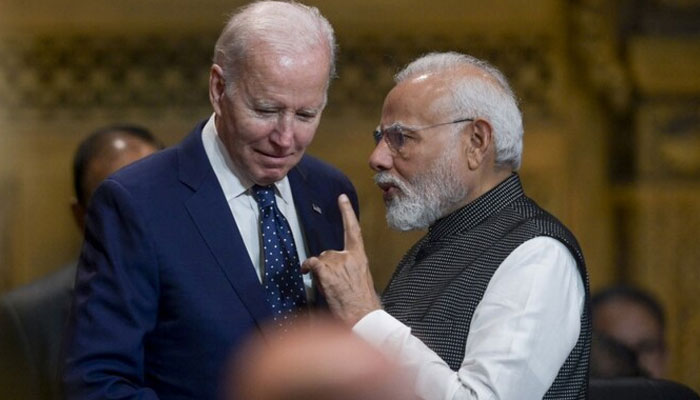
x=102, y=153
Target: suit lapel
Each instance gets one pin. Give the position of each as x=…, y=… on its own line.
x=318, y=231
x=212, y=216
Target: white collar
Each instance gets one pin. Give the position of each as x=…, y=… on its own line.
x=232, y=184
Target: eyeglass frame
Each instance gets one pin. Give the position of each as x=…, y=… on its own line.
x=380, y=133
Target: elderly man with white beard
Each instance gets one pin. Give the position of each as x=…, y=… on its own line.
x=492, y=303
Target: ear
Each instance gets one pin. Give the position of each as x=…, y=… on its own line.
x=78, y=214
x=479, y=143
x=217, y=87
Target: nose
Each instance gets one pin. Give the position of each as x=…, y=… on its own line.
x=381, y=158
x=283, y=136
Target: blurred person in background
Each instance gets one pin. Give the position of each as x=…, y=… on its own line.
x=629, y=327
x=32, y=317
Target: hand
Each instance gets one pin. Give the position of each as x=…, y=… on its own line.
x=344, y=276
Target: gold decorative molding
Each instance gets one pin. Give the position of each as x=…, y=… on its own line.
x=598, y=49
x=81, y=72
x=76, y=74
x=665, y=65
x=367, y=65
x=669, y=140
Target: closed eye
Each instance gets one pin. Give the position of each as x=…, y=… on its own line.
x=410, y=136
x=306, y=115
x=265, y=111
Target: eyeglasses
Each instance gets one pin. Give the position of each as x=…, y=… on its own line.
x=395, y=134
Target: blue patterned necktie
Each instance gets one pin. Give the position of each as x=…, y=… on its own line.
x=282, y=279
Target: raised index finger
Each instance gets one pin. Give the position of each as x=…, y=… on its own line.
x=351, y=227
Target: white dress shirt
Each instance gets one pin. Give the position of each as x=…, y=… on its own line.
x=521, y=332
x=237, y=190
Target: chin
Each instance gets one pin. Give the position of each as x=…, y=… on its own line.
x=265, y=178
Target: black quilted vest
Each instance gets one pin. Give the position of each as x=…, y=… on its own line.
x=441, y=280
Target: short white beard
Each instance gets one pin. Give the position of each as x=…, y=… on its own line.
x=427, y=197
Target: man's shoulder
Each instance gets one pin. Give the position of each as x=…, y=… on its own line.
x=534, y=214
x=322, y=181
x=159, y=170
x=314, y=168
x=541, y=222
x=152, y=166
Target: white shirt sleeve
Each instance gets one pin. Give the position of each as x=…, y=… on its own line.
x=525, y=326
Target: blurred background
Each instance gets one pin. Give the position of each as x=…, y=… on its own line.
x=610, y=91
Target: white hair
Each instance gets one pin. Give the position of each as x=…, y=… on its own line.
x=488, y=96
x=285, y=26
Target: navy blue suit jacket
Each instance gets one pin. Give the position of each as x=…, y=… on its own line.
x=165, y=288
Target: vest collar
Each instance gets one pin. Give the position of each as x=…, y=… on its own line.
x=478, y=210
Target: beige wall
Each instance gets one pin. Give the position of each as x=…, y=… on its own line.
x=612, y=133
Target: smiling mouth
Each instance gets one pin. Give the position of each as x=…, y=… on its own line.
x=274, y=156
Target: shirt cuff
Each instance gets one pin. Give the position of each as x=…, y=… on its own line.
x=378, y=326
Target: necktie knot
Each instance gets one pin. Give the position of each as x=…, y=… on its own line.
x=264, y=195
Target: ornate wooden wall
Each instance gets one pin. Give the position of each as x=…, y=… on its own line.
x=610, y=92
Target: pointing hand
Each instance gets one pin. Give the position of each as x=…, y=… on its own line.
x=344, y=276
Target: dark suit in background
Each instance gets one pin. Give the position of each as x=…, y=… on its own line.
x=31, y=319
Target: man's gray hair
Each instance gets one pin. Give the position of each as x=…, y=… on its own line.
x=489, y=96
x=285, y=26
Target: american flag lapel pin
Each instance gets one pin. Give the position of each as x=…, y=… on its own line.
x=316, y=208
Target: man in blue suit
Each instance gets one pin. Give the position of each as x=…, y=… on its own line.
x=172, y=277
